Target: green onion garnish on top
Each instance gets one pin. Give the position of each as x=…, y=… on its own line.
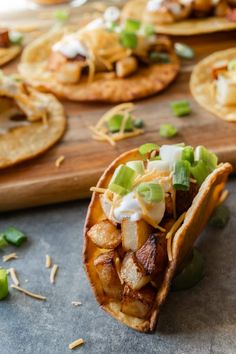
x=210, y=159
x=184, y=51
x=159, y=58
x=181, y=175
x=188, y=154
x=115, y=122
x=3, y=284
x=180, y=108
x=14, y=236
x=151, y=192
x=232, y=65
x=3, y=241
x=128, y=40
x=137, y=166
x=132, y=26
x=111, y=26
x=16, y=37
x=61, y=15
x=200, y=171
x=147, y=148
x=148, y=30
x=138, y=123
x=220, y=217
x=122, y=180
x=167, y=130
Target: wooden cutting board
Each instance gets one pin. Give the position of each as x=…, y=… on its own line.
x=39, y=182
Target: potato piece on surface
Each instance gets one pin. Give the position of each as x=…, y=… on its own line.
x=106, y=270
x=132, y=272
x=134, y=234
x=105, y=235
x=138, y=303
x=70, y=72
x=152, y=256
x=55, y=60
x=126, y=66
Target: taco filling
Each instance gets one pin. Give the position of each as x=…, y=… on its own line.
x=143, y=204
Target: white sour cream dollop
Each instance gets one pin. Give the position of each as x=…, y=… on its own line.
x=70, y=46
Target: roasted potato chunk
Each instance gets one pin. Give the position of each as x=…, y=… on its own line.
x=138, y=303
x=70, y=72
x=55, y=60
x=126, y=66
x=106, y=270
x=105, y=235
x=134, y=234
x=152, y=256
x=202, y=7
x=132, y=273
x=4, y=38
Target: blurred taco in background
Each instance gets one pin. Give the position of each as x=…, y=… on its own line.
x=10, y=45
x=146, y=212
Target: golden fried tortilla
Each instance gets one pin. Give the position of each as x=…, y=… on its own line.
x=8, y=54
x=196, y=217
x=148, y=80
x=202, y=89
x=135, y=9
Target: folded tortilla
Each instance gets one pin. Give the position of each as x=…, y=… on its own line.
x=8, y=54
x=135, y=9
x=196, y=217
x=201, y=85
x=147, y=81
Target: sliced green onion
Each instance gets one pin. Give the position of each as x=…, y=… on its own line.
x=180, y=108
x=159, y=58
x=151, y=192
x=167, y=130
x=220, y=217
x=122, y=180
x=3, y=242
x=200, y=171
x=62, y=15
x=128, y=40
x=111, y=26
x=181, y=175
x=210, y=159
x=14, y=236
x=137, y=166
x=188, y=154
x=191, y=274
x=115, y=122
x=148, y=30
x=184, y=51
x=132, y=26
x=16, y=37
x=232, y=65
x=147, y=148
x=138, y=123
x=3, y=283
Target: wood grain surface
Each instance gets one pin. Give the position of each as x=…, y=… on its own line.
x=39, y=182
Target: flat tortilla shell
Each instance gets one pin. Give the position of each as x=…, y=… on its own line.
x=8, y=54
x=195, y=220
x=188, y=27
x=201, y=85
x=148, y=80
x=26, y=142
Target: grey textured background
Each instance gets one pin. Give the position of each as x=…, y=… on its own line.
x=201, y=320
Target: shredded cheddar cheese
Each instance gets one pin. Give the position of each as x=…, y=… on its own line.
x=13, y=275
x=53, y=273
x=170, y=235
x=223, y=197
x=48, y=261
x=9, y=257
x=59, y=161
x=76, y=303
x=76, y=343
x=28, y=293
x=98, y=189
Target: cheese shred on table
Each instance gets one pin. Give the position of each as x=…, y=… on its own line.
x=76, y=343
x=9, y=257
x=13, y=275
x=29, y=293
x=48, y=261
x=59, y=161
x=53, y=273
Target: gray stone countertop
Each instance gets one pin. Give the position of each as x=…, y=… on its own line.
x=198, y=321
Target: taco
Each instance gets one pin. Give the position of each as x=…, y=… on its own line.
x=103, y=61
x=10, y=45
x=31, y=121
x=146, y=212
x=183, y=18
x=213, y=84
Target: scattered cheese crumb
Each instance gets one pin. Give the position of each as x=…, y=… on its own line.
x=9, y=257
x=76, y=303
x=13, y=275
x=98, y=190
x=29, y=293
x=223, y=197
x=59, y=161
x=76, y=343
x=48, y=261
x=53, y=273
x=170, y=235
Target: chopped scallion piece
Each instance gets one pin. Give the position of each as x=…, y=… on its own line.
x=111, y=26
x=159, y=58
x=151, y=192
x=167, y=131
x=16, y=37
x=122, y=180
x=14, y=236
x=210, y=159
x=232, y=65
x=200, y=171
x=184, y=51
x=181, y=175
x=137, y=166
x=132, y=26
x=3, y=242
x=138, y=123
x=147, y=148
x=220, y=216
x=188, y=154
x=148, y=30
x=3, y=284
x=180, y=108
x=115, y=122
x=62, y=15
x=128, y=40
